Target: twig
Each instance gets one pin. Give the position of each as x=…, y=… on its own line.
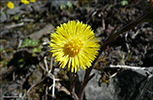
x=46, y=92
x=53, y=86
x=62, y=88
x=49, y=74
x=10, y=97
x=51, y=64
x=52, y=77
x=14, y=25
x=9, y=69
x=20, y=43
x=13, y=76
x=46, y=63
x=35, y=84
x=42, y=66
x=124, y=67
x=74, y=95
x=103, y=21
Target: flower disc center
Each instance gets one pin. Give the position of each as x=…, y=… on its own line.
x=74, y=46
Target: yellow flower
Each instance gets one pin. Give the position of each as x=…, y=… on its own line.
x=32, y=0
x=25, y=2
x=73, y=45
x=10, y=5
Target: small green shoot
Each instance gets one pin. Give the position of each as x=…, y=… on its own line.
x=29, y=42
x=124, y=2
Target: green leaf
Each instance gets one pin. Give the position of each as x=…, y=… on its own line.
x=6, y=62
x=69, y=4
x=36, y=49
x=124, y=2
x=16, y=17
x=21, y=66
x=110, y=6
x=29, y=42
x=1, y=49
x=21, y=60
x=62, y=7
x=129, y=57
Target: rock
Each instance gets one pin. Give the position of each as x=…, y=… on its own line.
x=125, y=85
x=16, y=10
x=3, y=17
x=10, y=90
x=93, y=91
x=46, y=30
x=35, y=77
x=59, y=2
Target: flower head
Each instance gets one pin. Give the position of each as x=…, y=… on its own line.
x=10, y=5
x=32, y=0
x=25, y=2
x=74, y=45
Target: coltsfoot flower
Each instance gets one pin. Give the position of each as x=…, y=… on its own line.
x=10, y=5
x=25, y=2
x=74, y=45
x=32, y=0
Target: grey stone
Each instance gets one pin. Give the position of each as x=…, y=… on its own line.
x=125, y=85
x=14, y=11
x=3, y=17
x=59, y=2
x=46, y=30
